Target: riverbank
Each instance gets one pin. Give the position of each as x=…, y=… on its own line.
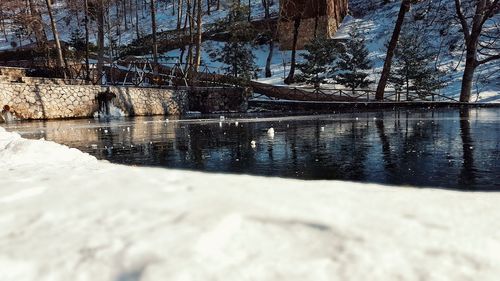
x=66, y=216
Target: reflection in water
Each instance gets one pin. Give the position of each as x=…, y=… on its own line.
x=442, y=148
x=467, y=175
x=390, y=166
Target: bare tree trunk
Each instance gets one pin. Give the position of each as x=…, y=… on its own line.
x=41, y=37
x=125, y=15
x=249, y=10
x=100, y=39
x=4, y=29
x=153, y=28
x=188, y=15
x=269, y=59
x=191, y=6
x=107, y=21
x=265, y=4
x=405, y=7
x=470, y=68
x=60, y=58
x=199, y=36
x=291, y=75
x=180, y=4
x=138, y=35
x=484, y=10
x=87, y=51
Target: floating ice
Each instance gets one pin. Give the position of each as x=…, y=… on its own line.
x=270, y=132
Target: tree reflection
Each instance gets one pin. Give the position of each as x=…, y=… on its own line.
x=467, y=175
x=386, y=144
x=418, y=148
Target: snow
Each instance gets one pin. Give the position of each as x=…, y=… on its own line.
x=378, y=25
x=261, y=53
x=68, y=21
x=66, y=216
x=377, y=22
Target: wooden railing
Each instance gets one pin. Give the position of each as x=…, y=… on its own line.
x=145, y=73
x=341, y=95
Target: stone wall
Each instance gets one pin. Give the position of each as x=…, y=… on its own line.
x=8, y=74
x=41, y=100
x=150, y=101
x=34, y=98
x=209, y=100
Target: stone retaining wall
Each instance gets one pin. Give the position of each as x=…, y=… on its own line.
x=35, y=98
x=8, y=74
x=45, y=101
x=150, y=101
x=210, y=100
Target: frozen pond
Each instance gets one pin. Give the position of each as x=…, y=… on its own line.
x=440, y=148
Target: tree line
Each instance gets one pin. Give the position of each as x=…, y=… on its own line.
x=410, y=62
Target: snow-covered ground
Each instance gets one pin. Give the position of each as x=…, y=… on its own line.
x=66, y=216
x=166, y=20
x=378, y=24
x=280, y=63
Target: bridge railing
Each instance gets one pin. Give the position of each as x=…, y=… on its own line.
x=357, y=95
x=142, y=72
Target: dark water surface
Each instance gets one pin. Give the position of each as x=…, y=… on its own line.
x=426, y=148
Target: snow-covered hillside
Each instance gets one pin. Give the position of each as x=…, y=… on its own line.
x=66, y=216
x=377, y=22
x=166, y=20
x=436, y=20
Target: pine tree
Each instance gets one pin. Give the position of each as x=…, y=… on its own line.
x=77, y=40
x=239, y=59
x=353, y=62
x=237, y=52
x=320, y=55
x=413, y=67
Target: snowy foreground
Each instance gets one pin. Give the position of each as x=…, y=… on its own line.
x=66, y=216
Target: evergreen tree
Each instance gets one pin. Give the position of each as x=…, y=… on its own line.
x=77, y=40
x=237, y=14
x=320, y=55
x=353, y=62
x=413, y=67
x=237, y=51
x=239, y=59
